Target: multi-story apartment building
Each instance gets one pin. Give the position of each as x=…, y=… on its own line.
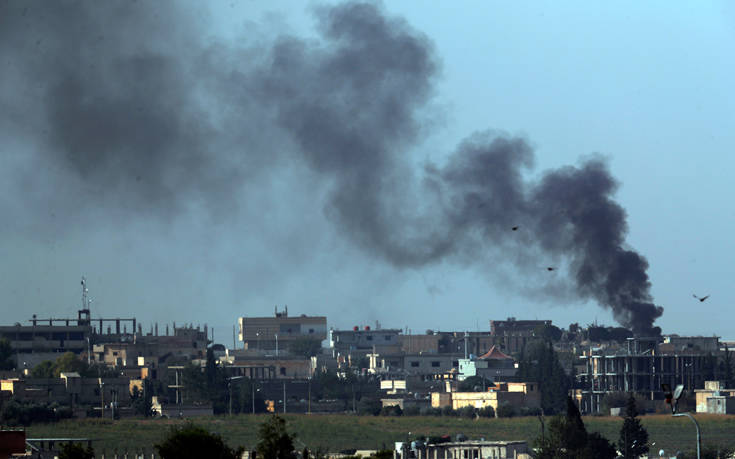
x=278, y=332
x=358, y=342
x=512, y=335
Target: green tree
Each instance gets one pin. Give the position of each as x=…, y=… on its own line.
x=141, y=399
x=7, y=355
x=75, y=451
x=540, y=363
x=305, y=347
x=274, y=440
x=547, y=332
x=567, y=438
x=44, y=369
x=633, y=441
x=69, y=362
x=727, y=367
x=194, y=442
x=473, y=384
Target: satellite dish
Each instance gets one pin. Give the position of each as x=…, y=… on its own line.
x=678, y=391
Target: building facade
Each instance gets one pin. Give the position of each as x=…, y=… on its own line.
x=278, y=332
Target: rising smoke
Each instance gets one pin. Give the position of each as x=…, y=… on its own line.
x=128, y=110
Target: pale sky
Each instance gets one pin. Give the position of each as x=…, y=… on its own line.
x=648, y=85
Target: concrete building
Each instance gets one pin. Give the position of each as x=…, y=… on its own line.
x=516, y=394
x=269, y=367
x=715, y=399
x=640, y=367
x=472, y=449
x=360, y=341
x=278, y=332
x=493, y=365
x=70, y=389
x=512, y=335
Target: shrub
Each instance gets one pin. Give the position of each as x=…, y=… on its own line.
x=487, y=412
x=394, y=410
x=467, y=412
x=506, y=410
x=448, y=411
x=411, y=411
x=529, y=411
x=429, y=411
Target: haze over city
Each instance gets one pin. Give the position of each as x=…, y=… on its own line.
x=214, y=160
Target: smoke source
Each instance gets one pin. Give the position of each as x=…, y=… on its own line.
x=127, y=112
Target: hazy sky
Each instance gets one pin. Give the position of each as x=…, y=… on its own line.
x=647, y=86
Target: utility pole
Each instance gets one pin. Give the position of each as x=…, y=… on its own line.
x=102, y=399
x=229, y=386
x=284, y=396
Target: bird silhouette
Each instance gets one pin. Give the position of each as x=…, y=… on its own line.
x=701, y=299
x=515, y=228
x=550, y=268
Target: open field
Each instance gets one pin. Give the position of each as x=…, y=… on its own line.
x=338, y=432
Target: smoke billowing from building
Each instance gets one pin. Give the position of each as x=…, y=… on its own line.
x=146, y=118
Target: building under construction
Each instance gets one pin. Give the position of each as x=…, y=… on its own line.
x=641, y=366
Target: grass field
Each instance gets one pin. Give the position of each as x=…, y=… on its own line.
x=338, y=432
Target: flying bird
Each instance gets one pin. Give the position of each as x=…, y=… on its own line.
x=701, y=300
x=550, y=268
x=515, y=228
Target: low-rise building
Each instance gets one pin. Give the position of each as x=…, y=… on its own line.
x=715, y=399
x=358, y=342
x=494, y=365
x=471, y=449
x=70, y=389
x=516, y=394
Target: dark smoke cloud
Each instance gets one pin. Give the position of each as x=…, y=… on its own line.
x=111, y=93
x=145, y=115
x=352, y=105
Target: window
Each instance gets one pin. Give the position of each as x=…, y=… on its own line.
x=311, y=330
x=455, y=363
x=414, y=364
x=387, y=337
x=114, y=353
x=283, y=371
x=435, y=363
x=369, y=337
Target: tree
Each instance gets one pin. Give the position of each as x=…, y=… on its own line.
x=7, y=355
x=194, y=442
x=633, y=440
x=69, y=362
x=539, y=363
x=75, y=451
x=305, y=347
x=473, y=384
x=547, y=332
x=727, y=367
x=274, y=440
x=568, y=438
x=44, y=369
x=141, y=399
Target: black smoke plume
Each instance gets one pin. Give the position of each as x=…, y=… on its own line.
x=129, y=109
